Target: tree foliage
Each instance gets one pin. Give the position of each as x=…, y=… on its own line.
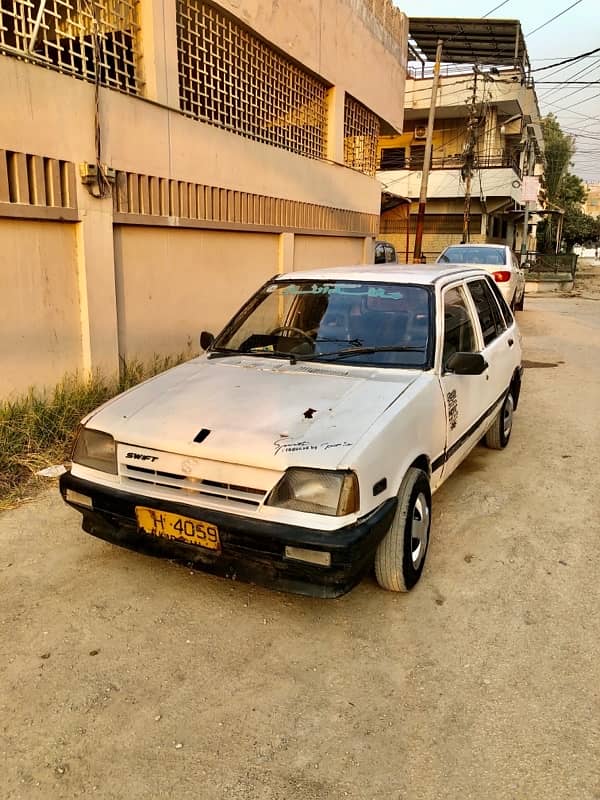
x=563, y=190
x=560, y=149
x=571, y=191
x=579, y=228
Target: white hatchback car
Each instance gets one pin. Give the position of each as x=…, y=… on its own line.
x=304, y=446
x=497, y=259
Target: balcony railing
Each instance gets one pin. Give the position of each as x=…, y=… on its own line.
x=415, y=162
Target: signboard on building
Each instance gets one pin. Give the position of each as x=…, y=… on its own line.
x=530, y=188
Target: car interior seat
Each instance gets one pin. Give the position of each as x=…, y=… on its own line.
x=334, y=329
x=380, y=328
x=458, y=334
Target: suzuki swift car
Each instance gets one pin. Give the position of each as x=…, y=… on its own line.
x=499, y=261
x=303, y=447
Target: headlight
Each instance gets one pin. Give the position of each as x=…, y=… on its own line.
x=96, y=450
x=316, y=491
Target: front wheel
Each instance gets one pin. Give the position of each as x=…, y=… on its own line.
x=400, y=557
x=499, y=433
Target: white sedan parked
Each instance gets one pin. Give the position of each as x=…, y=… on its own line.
x=304, y=446
x=499, y=260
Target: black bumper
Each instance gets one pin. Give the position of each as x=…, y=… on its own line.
x=251, y=550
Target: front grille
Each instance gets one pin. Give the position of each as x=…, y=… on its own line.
x=193, y=487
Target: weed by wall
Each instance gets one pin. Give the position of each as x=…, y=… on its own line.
x=37, y=430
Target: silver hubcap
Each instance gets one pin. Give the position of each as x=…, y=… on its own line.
x=419, y=531
x=507, y=415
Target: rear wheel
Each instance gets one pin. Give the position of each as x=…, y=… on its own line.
x=521, y=304
x=401, y=554
x=499, y=433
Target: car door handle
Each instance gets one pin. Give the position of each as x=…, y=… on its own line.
x=511, y=342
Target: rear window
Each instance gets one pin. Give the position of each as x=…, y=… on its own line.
x=506, y=312
x=473, y=255
x=488, y=312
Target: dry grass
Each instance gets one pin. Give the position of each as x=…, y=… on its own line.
x=37, y=430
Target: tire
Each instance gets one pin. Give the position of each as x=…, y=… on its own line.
x=521, y=304
x=498, y=435
x=401, y=554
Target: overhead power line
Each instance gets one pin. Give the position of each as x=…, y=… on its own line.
x=569, y=83
x=580, y=72
x=566, y=60
x=495, y=8
x=576, y=113
x=556, y=16
x=557, y=93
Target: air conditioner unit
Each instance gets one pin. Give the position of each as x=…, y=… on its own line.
x=420, y=132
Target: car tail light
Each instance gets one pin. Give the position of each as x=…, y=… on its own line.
x=501, y=276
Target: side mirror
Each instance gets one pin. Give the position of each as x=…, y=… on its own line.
x=206, y=340
x=466, y=364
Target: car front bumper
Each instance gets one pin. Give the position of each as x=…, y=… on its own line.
x=252, y=550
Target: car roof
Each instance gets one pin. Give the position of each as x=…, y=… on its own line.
x=474, y=244
x=389, y=273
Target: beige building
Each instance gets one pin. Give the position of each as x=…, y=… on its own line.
x=486, y=117
x=592, y=201
x=159, y=159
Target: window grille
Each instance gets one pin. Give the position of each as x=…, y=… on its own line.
x=74, y=36
x=417, y=156
x=361, y=132
x=434, y=223
x=393, y=158
x=182, y=203
x=230, y=78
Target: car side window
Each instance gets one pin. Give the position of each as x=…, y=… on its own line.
x=490, y=318
x=504, y=307
x=459, y=334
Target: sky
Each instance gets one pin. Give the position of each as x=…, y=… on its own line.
x=577, y=31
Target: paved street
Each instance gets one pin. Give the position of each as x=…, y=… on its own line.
x=127, y=677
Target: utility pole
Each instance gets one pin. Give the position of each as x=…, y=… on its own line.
x=527, y=169
x=469, y=159
x=427, y=156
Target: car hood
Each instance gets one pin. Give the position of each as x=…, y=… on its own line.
x=264, y=413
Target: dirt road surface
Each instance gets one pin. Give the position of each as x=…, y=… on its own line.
x=127, y=677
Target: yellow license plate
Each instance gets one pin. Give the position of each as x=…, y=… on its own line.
x=178, y=528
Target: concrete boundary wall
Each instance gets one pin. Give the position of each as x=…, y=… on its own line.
x=88, y=282
x=195, y=214
x=40, y=323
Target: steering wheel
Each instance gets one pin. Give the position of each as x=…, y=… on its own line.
x=282, y=328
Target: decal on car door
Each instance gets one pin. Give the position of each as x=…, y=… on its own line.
x=452, y=399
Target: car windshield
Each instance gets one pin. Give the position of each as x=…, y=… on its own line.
x=473, y=255
x=361, y=322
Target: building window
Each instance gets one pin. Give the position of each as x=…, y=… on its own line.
x=230, y=78
x=361, y=132
x=92, y=39
x=417, y=156
x=393, y=158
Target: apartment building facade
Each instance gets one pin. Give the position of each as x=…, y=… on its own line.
x=160, y=159
x=487, y=125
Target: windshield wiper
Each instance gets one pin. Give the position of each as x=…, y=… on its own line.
x=358, y=351
x=355, y=342
x=225, y=353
